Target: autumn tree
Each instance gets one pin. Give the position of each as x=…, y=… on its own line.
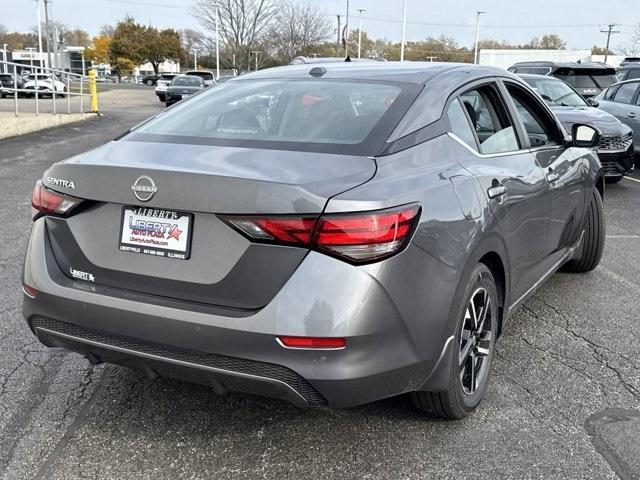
x=98, y=51
x=547, y=42
x=76, y=37
x=140, y=44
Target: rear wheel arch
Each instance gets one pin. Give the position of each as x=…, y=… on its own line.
x=494, y=262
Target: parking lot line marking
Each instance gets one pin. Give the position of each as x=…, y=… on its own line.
x=632, y=179
x=623, y=236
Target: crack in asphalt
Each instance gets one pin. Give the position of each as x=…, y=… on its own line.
x=595, y=347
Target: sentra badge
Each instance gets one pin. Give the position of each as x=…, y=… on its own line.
x=61, y=182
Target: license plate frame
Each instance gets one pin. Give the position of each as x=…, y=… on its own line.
x=156, y=236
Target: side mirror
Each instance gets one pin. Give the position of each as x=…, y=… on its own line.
x=592, y=102
x=584, y=136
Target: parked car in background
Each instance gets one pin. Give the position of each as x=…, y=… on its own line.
x=208, y=77
x=588, y=78
x=630, y=61
x=622, y=100
x=616, y=146
x=628, y=71
x=183, y=86
x=163, y=82
x=149, y=79
x=353, y=237
x=46, y=84
x=8, y=83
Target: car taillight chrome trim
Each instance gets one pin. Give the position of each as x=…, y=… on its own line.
x=355, y=237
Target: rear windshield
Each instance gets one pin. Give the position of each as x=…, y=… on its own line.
x=311, y=115
x=587, y=78
x=555, y=92
x=205, y=75
x=6, y=77
x=187, y=81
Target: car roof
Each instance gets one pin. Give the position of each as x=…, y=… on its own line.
x=408, y=72
x=572, y=65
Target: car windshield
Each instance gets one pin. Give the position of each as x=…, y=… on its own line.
x=40, y=77
x=555, y=92
x=187, y=81
x=310, y=115
x=587, y=78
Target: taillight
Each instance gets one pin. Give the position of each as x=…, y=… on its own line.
x=286, y=230
x=359, y=237
x=48, y=202
x=367, y=236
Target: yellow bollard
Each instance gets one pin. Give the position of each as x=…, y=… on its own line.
x=93, y=90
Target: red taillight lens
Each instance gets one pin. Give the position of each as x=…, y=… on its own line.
x=367, y=236
x=312, y=342
x=359, y=237
x=286, y=230
x=48, y=202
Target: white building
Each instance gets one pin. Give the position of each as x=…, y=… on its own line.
x=164, y=67
x=507, y=57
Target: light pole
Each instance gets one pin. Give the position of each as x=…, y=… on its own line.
x=404, y=29
x=360, y=11
x=256, y=53
x=195, y=59
x=475, y=54
x=48, y=32
x=217, y=42
x=39, y=30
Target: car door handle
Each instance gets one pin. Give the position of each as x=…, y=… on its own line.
x=497, y=191
x=552, y=177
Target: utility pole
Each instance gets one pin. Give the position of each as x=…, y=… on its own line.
x=609, y=31
x=346, y=33
x=256, y=53
x=475, y=53
x=404, y=29
x=46, y=24
x=339, y=35
x=360, y=11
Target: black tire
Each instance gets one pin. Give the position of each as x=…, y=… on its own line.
x=614, y=179
x=460, y=399
x=162, y=98
x=588, y=255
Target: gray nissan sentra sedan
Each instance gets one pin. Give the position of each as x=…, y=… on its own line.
x=329, y=235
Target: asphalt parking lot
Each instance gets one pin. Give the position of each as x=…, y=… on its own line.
x=563, y=402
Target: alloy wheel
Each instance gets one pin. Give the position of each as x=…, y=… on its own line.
x=475, y=341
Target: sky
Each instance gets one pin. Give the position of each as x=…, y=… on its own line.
x=578, y=22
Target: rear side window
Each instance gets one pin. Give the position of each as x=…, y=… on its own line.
x=293, y=114
x=460, y=125
x=490, y=121
x=625, y=93
x=540, y=70
x=635, y=73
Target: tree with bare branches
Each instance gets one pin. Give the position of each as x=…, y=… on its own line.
x=243, y=23
x=296, y=28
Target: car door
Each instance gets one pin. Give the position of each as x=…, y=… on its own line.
x=565, y=169
x=513, y=184
x=623, y=102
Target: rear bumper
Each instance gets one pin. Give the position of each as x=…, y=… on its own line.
x=395, y=330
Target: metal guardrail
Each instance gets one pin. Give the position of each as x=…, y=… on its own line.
x=57, y=75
